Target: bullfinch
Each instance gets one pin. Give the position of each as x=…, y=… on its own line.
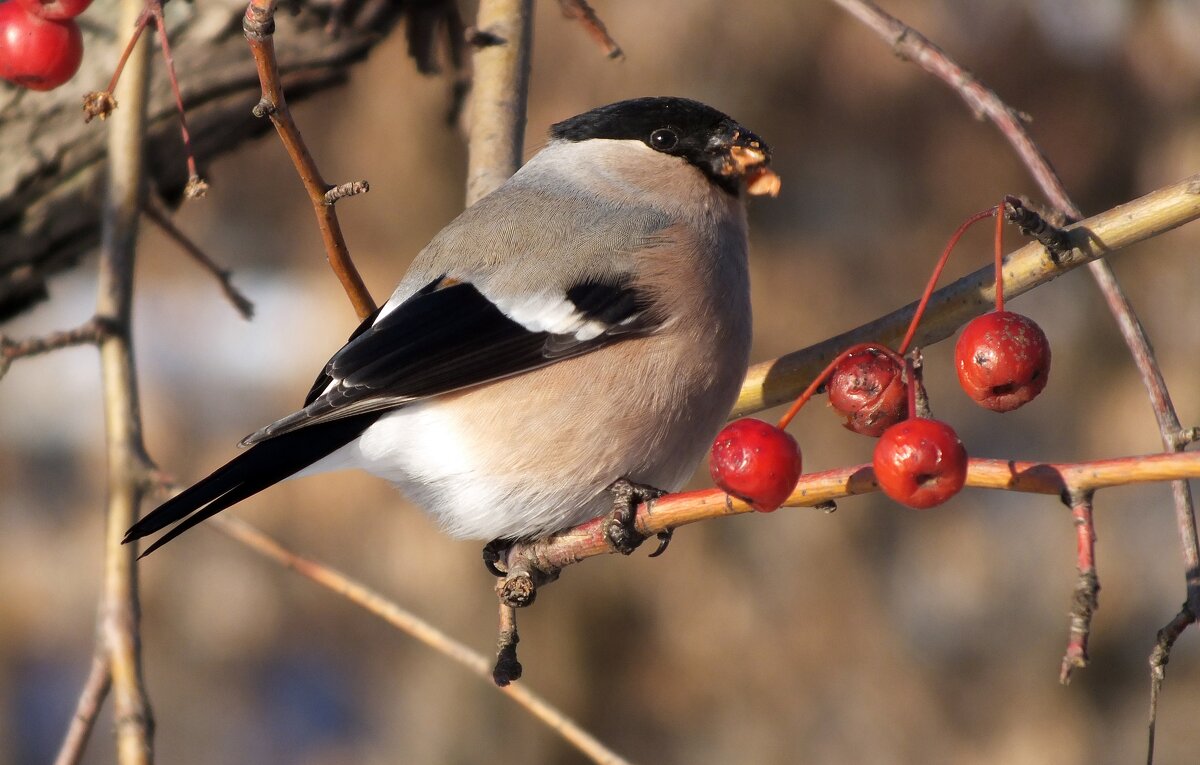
x=582, y=330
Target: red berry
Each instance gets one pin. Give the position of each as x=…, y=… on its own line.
x=868, y=390
x=757, y=462
x=36, y=53
x=55, y=10
x=920, y=463
x=1003, y=360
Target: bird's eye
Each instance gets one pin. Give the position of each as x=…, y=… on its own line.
x=663, y=139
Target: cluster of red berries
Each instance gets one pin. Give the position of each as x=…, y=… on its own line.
x=1003, y=362
x=40, y=43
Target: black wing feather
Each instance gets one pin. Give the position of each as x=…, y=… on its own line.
x=247, y=474
x=449, y=338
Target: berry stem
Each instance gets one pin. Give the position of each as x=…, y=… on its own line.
x=910, y=375
x=195, y=185
x=142, y=20
x=937, y=272
x=821, y=379
x=999, y=258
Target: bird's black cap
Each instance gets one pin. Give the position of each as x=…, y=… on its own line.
x=681, y=127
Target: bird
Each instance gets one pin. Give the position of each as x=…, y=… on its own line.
x=567, y=346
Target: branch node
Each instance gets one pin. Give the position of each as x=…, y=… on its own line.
x=264, y=108
x=258, y=24
x=346, y=190
x=1057, y=241
x=1184, y=437
x=517, y=590
x=483, y=38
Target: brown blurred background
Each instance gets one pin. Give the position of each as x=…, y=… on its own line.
x=872, y=635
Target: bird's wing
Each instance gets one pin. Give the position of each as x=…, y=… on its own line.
x=449, y=335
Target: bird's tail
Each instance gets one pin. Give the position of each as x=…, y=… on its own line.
x=264, y=464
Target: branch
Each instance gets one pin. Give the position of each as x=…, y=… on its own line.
x=418, y=628
x=911, y=44
x=498, y=96
x=585, y=15
x=1087, y=585
x=775, y=382
x=154, y=211
x=88, y=333
x=259, y=26
x=95, y=689
x=548, y=556
x=127, y=463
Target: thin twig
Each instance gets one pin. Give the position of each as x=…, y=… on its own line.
x=127, y=464
x=1158, y=667
x=911, y=44
x=159, y=217
x=498, y=95
x=774, y=382
x=196, y=187
x=1087, y=585
x=583, y=13
x=95, y=689
x=259, y=27
x=477, y=664
x=88, y=333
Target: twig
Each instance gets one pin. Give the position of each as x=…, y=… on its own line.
x=548, y=556
x=1158, y=667
x=259, y=26
x=159, y=217
x=507, y=669
x=196, y=187
x=1087, y=586
x=774, y=382
x=95, y=689
x=581, y=11
x=498, y=95
x=88, y=333
x=496, y=135
x=909, y=43
x=1056, y=240
x=127, y=464
x=102, y=103
x=374, y=602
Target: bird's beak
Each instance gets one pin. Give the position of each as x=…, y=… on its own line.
x=748, y=158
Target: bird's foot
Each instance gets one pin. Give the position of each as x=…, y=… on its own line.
x=495, y=556
x=619, y=529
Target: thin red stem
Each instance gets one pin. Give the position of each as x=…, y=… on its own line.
x=937, y=272
x=910, y=375
x=999, y=258
x=156, y=10
x=812, y=388
x=138, y=28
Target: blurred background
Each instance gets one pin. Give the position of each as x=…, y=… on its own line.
x=873, y=634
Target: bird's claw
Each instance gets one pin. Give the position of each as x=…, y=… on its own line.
x=619, y=529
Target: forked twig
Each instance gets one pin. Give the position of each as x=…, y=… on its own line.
x=259, y=27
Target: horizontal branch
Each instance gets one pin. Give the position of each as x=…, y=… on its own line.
x=817, y=489
x=774, y=382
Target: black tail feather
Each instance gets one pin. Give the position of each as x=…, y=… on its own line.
x=259, y=467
